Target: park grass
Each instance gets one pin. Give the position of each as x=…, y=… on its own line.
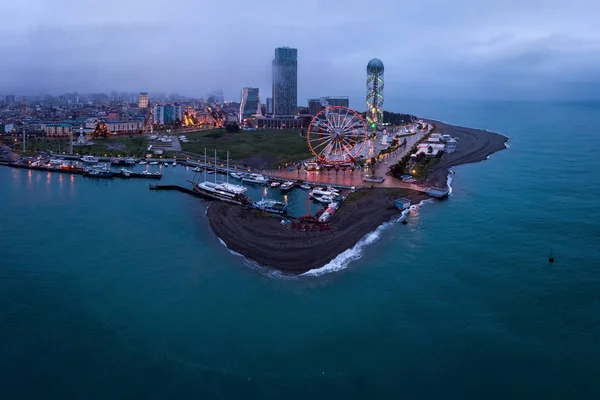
x=282, y=145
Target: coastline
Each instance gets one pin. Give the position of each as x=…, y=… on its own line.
x=474, y=145
x=262, y=238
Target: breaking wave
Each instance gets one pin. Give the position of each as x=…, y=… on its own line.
x=356, y=252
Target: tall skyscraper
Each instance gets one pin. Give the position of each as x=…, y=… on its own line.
x=143, y=100
x=250, y=103
x=270, y=105
x=285, y=81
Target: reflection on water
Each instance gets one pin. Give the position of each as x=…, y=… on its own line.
x=60, y=180
x=29, y=176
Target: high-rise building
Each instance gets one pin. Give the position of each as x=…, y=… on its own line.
x=314, y=106
x=374, y=93
x=335, y=101
x=168, y=114
x=10, y=99
x=270, y=105
x=285, y=81
x=143, y=100
x=250, y=103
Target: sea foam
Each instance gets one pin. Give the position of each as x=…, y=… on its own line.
x=354, y=253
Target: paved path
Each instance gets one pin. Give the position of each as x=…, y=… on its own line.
x=356, y=178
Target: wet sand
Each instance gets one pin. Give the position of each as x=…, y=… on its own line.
x=473, y=145
x=261, y=237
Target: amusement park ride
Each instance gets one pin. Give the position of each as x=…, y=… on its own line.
x=336, y=136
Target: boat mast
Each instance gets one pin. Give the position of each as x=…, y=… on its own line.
x=227, y=167
x=205, y=164
x=215, y=165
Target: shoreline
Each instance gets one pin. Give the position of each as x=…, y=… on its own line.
x=261, y=237
x=473, y=145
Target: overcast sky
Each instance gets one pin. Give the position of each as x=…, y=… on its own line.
x=522, y=49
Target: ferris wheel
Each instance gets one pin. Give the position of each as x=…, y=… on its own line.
x=337, y=135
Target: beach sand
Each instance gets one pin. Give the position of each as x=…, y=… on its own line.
x=473, y=145
x=261, y=237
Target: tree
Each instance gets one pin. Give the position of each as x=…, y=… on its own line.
x=232, y=127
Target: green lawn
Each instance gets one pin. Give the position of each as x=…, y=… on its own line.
x=282, y=145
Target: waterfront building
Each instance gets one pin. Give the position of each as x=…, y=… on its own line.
x=250, y=103
x=143, y=100
x=167, y=114
x=58, y=129
x=285, y=81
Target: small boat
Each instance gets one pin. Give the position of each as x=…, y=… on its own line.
x=99, y=173
x=322, y=198
x=235, y=175
x=198, y=169
x=143, y=162
x=174, y=163
x=157, y=174
x=166, y=164
x=90, y=159
x=287, y=186
x=153, y=163
x=255, y=178
x=275, y=184
x=210, y=172
x=305, y=187
x=272, y=206
x=126, y=173
x=146, y=173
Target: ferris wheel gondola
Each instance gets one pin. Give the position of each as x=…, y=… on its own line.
x=337, y=135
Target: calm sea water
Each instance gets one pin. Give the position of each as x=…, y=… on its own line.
x=108, y=290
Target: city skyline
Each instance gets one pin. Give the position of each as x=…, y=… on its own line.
x=474, y=54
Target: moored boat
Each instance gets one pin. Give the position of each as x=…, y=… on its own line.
x=287, y=186
x=305, y=187
x=254, y=178
x=90, y=159
x=275, y=184
x=143, y=162
x=272, y=206
x=235, y=175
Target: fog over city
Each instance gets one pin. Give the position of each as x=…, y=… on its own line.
x=526, y=49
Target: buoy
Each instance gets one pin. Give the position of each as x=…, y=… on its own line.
x=404, y=222
x=551, y=258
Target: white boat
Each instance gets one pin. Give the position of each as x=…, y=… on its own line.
x=272, y=206
x=254, y=178
x=197, y=169
x=174, y=163
x=222, y=191
x=324, y=192
x=235, y=175
x=56, y=161
x=305, y=187
x=286, y=186
x=322, y=198
x=146, y=173
x=126, y=173
x=90, y=159
x=153, y=162
x=275, y=184
x=210, y=172
x=143, y=162
x=166, y=164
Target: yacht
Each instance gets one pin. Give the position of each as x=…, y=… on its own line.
x=146, y=173
x=254, y=178
x=326, y=199
x=174, y=163
x=287, y=186
x=143, y=162
x=90, y=159
x=305, y=187
x=153, y=162
x=166, y=164
x=275, y=184
x=272, y=206
x=235, y=175
x=222, y=191
x=324, y=192
x=126, y=173
x=198, y=169
x=99, y=173
x=210, y=172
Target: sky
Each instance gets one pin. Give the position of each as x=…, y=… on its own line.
x=431, y=49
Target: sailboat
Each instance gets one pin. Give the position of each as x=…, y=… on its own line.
x=221, y=191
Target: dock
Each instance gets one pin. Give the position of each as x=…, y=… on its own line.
x=80, y=171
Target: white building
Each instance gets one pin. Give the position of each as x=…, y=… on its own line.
x=143, y=100
x=167, y=114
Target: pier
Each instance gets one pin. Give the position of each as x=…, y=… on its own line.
x=80, y=171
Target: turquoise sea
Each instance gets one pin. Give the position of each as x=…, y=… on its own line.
x=108, y=290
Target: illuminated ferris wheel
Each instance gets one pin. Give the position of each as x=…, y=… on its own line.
x=337, y=135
